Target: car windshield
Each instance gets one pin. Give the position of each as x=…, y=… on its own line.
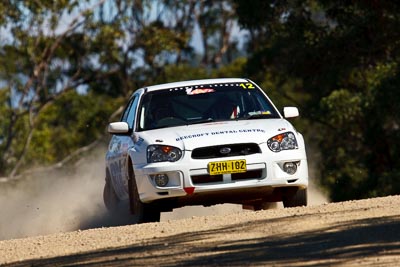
x=203, y=103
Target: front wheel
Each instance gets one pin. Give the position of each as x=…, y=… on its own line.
x=110, y=198
x=297, y=200
x=142, y=212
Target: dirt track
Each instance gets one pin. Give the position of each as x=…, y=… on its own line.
x=351, y=233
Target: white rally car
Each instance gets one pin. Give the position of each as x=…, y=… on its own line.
x=204, y=142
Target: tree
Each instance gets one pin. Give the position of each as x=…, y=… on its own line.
x=32, y=69
x=67, y=53
x=343, y=58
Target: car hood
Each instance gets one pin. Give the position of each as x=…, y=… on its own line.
x=217, y=133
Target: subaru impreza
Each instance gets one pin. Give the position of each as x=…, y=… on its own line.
x=204, y=142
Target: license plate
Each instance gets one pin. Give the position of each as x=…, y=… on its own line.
x=228, y=166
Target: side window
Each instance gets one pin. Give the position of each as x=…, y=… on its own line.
x=126, y=110
x=130, y=112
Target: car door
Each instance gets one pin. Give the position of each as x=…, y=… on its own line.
x=118, y=150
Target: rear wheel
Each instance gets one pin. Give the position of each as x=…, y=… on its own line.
x=142, y=212
x=110, y=198
x=297, y=200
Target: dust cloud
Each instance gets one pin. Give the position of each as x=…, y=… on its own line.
x=68, y=200
x=55, y=201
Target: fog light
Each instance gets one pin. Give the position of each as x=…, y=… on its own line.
x=161, y=180
x=290, y=167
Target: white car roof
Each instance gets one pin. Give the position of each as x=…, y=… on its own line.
x=195, y=82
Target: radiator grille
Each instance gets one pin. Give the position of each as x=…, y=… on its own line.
x=220, y=151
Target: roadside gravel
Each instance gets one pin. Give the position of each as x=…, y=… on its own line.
x=353, y=233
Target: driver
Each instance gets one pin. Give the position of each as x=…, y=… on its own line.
x=225, y=108
x=161, y=111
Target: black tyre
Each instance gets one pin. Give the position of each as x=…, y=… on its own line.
x=110, y=198
x=297, y=200
x=142, y=212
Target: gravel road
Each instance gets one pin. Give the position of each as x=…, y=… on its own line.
x=354, y=233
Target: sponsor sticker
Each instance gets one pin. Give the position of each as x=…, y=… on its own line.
x=215, y=133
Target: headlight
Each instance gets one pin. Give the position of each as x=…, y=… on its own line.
x=284, y=141
x=159, y=153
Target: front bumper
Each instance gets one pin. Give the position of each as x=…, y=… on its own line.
x=189, y=177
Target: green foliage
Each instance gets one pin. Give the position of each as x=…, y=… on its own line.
x=73, y=121
x=4, y=122
x=156, y=39
x=342, y=108
x=235, y=69
x=339, y=62
x=181, y=72
x=66, y=66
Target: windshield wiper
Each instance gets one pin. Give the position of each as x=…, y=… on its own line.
x=202, y=121
x=259, y=116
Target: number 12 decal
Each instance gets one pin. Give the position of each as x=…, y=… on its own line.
x=247, y=85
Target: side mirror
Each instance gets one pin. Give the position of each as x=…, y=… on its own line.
x=118, y=128
x=290, y=112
